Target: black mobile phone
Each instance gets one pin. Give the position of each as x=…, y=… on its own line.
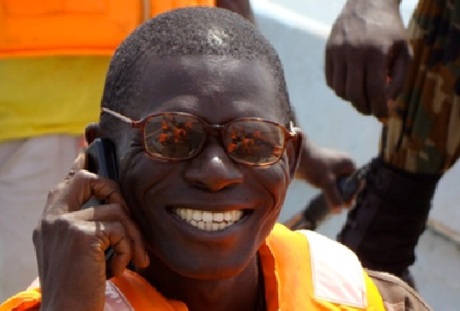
x=101, y=160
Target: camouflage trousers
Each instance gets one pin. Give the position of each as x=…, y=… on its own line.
x=422, y=133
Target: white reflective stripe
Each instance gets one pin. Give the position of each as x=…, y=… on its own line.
x=114, y=299
x=34, y=284
x=337, y=273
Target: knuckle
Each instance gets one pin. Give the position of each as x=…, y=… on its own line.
x=339, y=90
x=362, y=106
x=355, y=97
x=83, y=174
x=112, y=232
x=36, y=235
x=54, y=191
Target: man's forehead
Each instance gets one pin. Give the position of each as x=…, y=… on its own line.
x=189, y=62
x=186, y=80
x=207, y=72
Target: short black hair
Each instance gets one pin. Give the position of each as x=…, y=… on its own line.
x=189, y=31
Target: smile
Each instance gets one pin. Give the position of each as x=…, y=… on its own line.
x=209, y=221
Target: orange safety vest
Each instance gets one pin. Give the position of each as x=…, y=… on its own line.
x=75, y=27
x=302, y=271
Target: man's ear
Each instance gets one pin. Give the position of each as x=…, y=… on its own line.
x=93, y=131
x=294, y=152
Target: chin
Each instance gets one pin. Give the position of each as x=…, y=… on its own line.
x=216, y=270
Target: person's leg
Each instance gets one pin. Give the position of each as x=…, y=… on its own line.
x=28, y=170
x=420, y=141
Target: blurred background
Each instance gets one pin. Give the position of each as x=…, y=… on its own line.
x=298, y=30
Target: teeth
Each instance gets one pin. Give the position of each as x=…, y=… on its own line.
x=207, y=217
x=218, y=217
x=209, y=221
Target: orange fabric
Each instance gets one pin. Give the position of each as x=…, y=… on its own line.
x=283, y=281
x=158, y=7
x=74, y=27
x=27, y=300
x=287, y=274
x=142, y=296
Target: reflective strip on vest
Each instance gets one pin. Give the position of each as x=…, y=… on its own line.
x=337, y=272
x=115, y=300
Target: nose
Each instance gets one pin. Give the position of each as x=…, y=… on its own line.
x=213, y=170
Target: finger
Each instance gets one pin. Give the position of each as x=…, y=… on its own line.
x=71, y=195
x=116, y=213
x=376, y=84
x=397, y=73
x=78, y=164
x=113, y=235
x=333, y=198
x=53, y=194
x=339, y=76
x=87, y=184
x=355, y=91
x=329, y=67
x=344, y=166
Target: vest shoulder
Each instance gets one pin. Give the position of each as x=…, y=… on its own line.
x=396, y=294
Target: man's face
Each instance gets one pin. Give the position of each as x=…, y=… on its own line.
x=169, y=200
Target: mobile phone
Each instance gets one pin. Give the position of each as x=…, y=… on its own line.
x=101, y=160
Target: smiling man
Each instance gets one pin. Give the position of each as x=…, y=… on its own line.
x=195, y=104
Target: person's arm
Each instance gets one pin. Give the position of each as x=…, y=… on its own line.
x=242, y=7
x=321, y=167
x=70, y=242
x=367, y=54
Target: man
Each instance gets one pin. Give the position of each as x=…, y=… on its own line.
x=196, y=106
x=368, y=63
x=51, y=80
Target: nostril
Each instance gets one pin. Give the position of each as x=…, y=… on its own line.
x=199, y=184
x=214, y=183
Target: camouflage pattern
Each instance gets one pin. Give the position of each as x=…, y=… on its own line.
x=422, y=134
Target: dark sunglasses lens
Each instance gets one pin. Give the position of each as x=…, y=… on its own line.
x=173, y=136
x=254, y=142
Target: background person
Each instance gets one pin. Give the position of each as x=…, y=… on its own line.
x=368, y=63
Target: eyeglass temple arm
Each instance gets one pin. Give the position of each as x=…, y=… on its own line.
x=118, y=115
x=298, y=135
x=294, y=130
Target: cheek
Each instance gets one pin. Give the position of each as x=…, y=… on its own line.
x=275, y=180
x=141, y=184
x=138, y=175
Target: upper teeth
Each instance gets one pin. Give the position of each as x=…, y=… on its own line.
x=209, y=221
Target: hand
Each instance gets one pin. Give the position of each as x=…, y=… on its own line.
x=70, y=242
x=367, y=55
x=321, y=167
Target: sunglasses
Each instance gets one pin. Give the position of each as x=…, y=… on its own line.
x=177, y=136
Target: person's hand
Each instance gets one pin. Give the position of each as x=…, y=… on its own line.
x=70, y=241
x=321, y=167
x=367, y=55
